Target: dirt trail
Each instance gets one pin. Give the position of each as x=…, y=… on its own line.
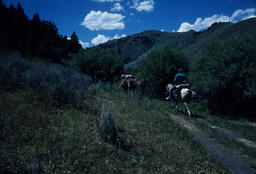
x=229, y=134
x=222, y=154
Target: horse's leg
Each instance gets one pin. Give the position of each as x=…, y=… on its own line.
x=187, y=108
x=175, y=105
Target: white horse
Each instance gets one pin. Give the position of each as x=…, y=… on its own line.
x=181, y=93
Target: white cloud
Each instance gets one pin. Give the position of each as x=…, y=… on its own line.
x=146, y=5
x=102, y=39
x=200, y=23
x=203, y=23
x=107, y=0
x=243, y=14
x=84, y=44
x=98, y=20
x=118, y=37
x=162, y=30
x=117, y=7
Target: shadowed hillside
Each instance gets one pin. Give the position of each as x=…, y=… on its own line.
x=137, y=46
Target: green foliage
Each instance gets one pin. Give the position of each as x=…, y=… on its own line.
x=100, y=64
x=225, y=74
x=160, y=68
x=49, y=80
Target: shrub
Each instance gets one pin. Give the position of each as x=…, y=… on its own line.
x=100, y=64
x=225, y=74
x=62, y=83
x=160, y=68
x=107, y=126
x=12, y=71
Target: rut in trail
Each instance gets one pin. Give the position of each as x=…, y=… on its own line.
x=229, y=134
x=222, y=154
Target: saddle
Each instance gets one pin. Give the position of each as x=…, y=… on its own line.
x=181, y=86
x=176, y=91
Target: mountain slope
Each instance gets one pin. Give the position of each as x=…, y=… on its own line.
x=137, y=46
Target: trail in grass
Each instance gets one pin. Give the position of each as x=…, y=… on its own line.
x=225, y=156
x=229, y=134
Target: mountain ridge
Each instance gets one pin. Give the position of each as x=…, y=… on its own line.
x=136, y=47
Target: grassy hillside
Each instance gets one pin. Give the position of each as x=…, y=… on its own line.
x=35, y=134
x=134, y=46
x=53, y=120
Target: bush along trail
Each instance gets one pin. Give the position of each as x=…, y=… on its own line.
x=235, y=153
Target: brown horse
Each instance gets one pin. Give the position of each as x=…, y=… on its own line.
x=133, y=85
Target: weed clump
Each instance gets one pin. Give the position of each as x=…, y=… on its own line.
x=5, y=125
x=107, y=126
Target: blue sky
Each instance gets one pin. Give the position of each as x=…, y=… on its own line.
x=97, y=21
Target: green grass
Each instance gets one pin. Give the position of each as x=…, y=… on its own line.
x=67, y=140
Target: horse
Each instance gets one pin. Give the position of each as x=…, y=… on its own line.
x=181, y=93
x=128, y=84
x=132, y=85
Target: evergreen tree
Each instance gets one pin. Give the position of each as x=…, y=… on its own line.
x=11, y=28
x=75, y=45
x=23, y=27
x=3, y=35
x=34, y=35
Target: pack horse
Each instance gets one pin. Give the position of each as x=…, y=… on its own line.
x=128, y=83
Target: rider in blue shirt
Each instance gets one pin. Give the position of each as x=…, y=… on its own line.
x=180, y=78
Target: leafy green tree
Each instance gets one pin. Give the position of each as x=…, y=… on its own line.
x=100, y=64
x=160, y=68
x=225, y=75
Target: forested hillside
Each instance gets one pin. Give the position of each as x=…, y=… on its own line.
x=35, y=37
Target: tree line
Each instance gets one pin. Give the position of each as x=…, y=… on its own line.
x=35, y=37
x=223, y=74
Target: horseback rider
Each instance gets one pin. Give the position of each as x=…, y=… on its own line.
x=180, y=78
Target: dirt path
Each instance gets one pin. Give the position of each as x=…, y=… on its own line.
x=225, y=156
x=229, y=134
